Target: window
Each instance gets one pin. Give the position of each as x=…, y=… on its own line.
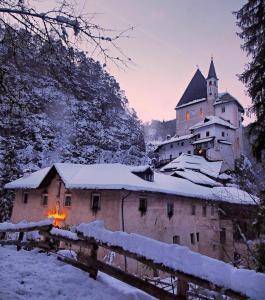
x=207, y=133
x=182, y=143
x=201, y=112
x=143, y=205
x=210, y=83
x=223, y=236
x=44, y=199
x=171, y=145
x=199, y=135
x=180, y=153
x=170, y=209
x=189, y=152
x=193, y=210
x=204, y=211
x=198, y=237
x=192, y=239
x=223, y=133
x=170, y=156
x=176, y=239
x=68, y=200
x=25, y=198
x=187, y=115
x=223, y=108
x=95, y=202
x=212, y=210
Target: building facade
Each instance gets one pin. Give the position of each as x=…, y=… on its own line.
x=213, y=119
x=162, y=207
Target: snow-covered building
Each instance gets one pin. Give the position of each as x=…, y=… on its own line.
x=135, y=199
x=211, y=120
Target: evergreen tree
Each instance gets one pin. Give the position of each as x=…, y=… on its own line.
x=251, y=21
x=56, y=107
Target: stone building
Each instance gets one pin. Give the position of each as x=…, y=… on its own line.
x=135, y=199
x=212, y=120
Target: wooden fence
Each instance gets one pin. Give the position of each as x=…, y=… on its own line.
x=93, y=264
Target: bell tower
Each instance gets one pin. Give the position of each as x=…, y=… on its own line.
x=212, y=85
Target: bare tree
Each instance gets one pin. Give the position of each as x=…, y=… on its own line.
x=64, y=24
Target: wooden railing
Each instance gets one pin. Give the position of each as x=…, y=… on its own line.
x=94, y=264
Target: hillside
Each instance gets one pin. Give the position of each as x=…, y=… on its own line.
x=58, y=105
x=158, y=130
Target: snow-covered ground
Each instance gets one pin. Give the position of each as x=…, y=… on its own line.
x=32, y=275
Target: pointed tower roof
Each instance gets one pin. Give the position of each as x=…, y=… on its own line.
x=197, y=89
x=212, y=73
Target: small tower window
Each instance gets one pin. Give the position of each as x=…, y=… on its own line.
x=204, y=210
x=143, y=205
x=68, y=200
x=223, y=108
x=187, y=115
x=210, y=83
x=223, y=133
x=192, y=238
x=176, y=239
x=223, y=236
x=193, y=210
x=198, y=236
x=25, y=198
x=44, y=199
x=170, y=209
x=95, y=202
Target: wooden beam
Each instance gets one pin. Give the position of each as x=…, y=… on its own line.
x=123, y=276
x=80, y=242
x=38, y=244
x=20, y=238
x=185, y=277
x=27, y=229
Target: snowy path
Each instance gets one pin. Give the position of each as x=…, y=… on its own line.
x=32, y=275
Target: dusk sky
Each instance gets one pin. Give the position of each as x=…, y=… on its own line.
x=170, y=38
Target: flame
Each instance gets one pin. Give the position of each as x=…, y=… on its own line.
x=57, y=217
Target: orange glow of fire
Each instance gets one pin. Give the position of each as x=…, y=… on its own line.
x=57, y=217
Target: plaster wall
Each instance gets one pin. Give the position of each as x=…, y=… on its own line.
x=198, y=112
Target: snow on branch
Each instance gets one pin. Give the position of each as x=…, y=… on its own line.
x=64, y=24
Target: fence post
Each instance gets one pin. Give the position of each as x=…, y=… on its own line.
x=94, y=255
x=183, y=288
x=20, y=238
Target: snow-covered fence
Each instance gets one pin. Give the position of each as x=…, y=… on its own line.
x=188, y=266
x=21, y=228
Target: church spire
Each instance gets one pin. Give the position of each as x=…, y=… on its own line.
x=212, y=83
x=212, y=73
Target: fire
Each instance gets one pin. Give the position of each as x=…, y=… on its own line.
x=57, y=217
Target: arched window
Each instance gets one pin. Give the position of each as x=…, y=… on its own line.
x=187, y=115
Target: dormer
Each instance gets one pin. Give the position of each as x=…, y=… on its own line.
x=144, y=172
x=212, y=83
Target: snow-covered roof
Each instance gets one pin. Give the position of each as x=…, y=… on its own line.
x=192, y=102
x=117, y=177
x=226, y=97
x=175, y=139
x=194, y=162
x=196, y=177
x=224, y=142
x=212, y=120
x=205, y=140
